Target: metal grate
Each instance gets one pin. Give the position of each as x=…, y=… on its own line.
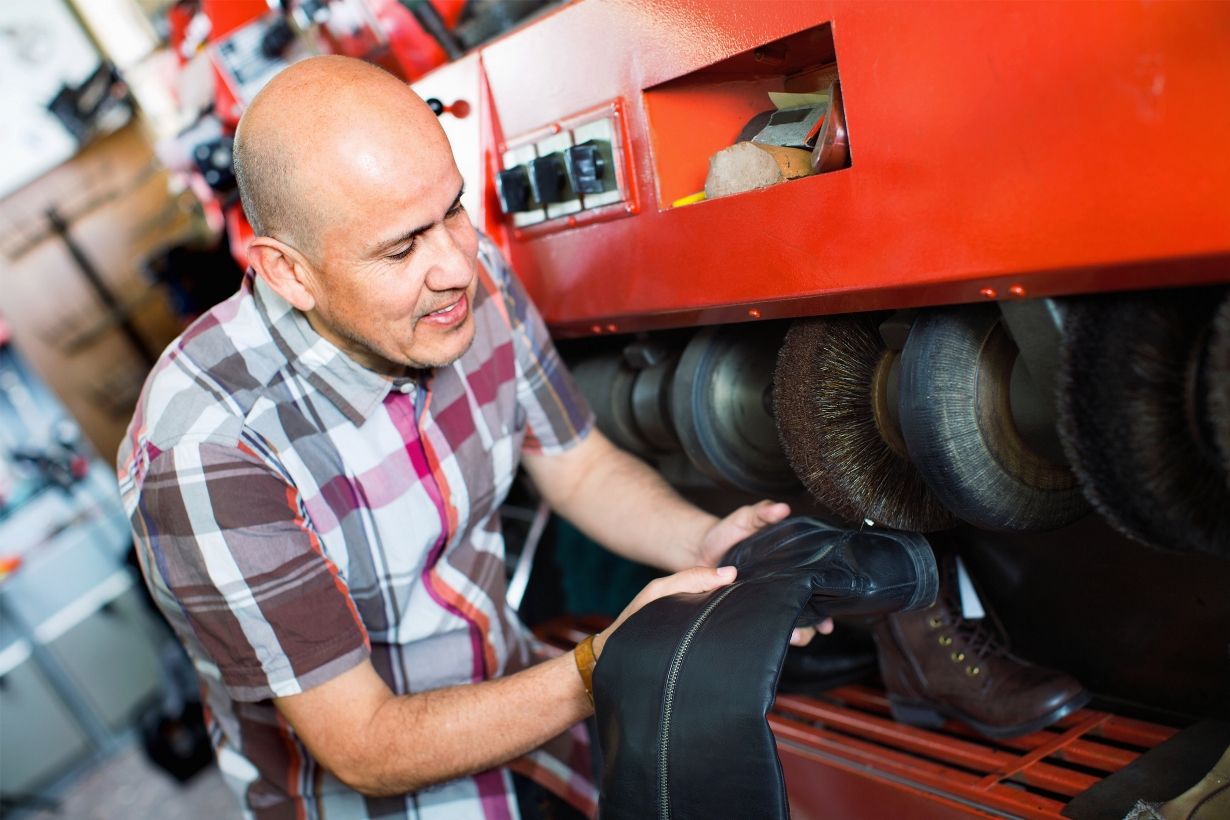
x=1031, y=776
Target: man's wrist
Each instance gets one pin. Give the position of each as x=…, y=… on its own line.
x=586, y=656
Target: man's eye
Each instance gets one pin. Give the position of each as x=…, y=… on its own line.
x=402, y=254
x=456, y=209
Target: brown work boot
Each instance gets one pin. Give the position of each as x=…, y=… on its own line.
x=937, y=664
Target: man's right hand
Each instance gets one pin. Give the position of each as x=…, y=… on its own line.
x=379, y=743
x=696, y=579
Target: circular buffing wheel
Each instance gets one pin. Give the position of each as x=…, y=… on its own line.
x=722, y=411
x=956, y=409
x=833, y=412
x=1133, y=417
x=1218, y=381
x=651, y=400
x=606, y=382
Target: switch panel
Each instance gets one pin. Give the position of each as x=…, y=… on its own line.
x=569, y=172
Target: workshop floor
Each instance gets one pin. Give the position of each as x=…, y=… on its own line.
x=126, y=786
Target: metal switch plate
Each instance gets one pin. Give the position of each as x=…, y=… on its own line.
x=565, y=173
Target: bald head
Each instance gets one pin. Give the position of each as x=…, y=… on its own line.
x=319, y=133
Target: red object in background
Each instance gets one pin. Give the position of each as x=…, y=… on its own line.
x=5, y=334
x=239, y=233
x=414, y=52
x=8, y=565
x=179, y=16
x=227, y=15
x=1056, y=149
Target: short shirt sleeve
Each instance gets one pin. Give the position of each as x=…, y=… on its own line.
x=230, y=546
x=556, y=412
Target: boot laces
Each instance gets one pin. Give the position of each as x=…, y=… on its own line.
x=976, y=636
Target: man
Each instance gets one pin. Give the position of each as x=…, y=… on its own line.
x=315, y=467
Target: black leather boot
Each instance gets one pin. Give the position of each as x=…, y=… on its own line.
x=846, y=656
x=683, y=687
x=936, y=665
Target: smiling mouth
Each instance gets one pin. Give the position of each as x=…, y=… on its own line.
x=444, y=311
x=449, y=315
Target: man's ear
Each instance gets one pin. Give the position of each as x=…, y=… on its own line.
x=284, y=270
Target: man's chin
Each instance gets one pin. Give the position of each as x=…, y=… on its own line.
x=453, y=346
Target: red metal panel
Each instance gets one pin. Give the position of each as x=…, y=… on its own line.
x=1054, y=147
x=822, y=788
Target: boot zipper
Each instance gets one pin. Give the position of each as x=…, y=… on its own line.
x=668, y=701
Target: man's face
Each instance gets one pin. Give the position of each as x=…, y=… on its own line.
x=396, y=272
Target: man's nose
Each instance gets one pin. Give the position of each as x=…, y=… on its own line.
x=452, y=266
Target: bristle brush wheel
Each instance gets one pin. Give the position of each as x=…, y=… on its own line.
x=1142, y=378
x=831, y=398
x=957, y=417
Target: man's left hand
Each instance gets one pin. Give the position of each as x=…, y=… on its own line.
x=739, y=525
x=735, y=527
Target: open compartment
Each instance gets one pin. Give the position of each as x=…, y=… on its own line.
x=693, y=117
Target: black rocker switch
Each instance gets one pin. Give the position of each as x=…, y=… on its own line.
x=547, y=179
x=585, y=167
x=513, y=186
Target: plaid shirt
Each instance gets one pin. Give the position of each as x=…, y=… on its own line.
x=295, y=513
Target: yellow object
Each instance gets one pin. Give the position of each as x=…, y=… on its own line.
x=586, y=661
x=690, y=199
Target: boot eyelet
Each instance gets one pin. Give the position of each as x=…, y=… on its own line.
x=973, y=671
x=935, y=622
x=958, y=656
x=945, y=640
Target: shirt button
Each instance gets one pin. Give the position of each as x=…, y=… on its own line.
x=407, y=388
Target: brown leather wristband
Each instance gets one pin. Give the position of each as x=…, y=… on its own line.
x=586, y=661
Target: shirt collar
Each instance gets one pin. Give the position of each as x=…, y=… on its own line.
x=354, y=389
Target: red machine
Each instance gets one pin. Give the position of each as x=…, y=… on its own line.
x=995, y=309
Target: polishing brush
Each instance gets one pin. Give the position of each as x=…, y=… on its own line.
x=1129, y=417
x=836, y=418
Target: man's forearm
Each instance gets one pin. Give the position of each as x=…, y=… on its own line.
x=621, y=502
x=408, y=742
